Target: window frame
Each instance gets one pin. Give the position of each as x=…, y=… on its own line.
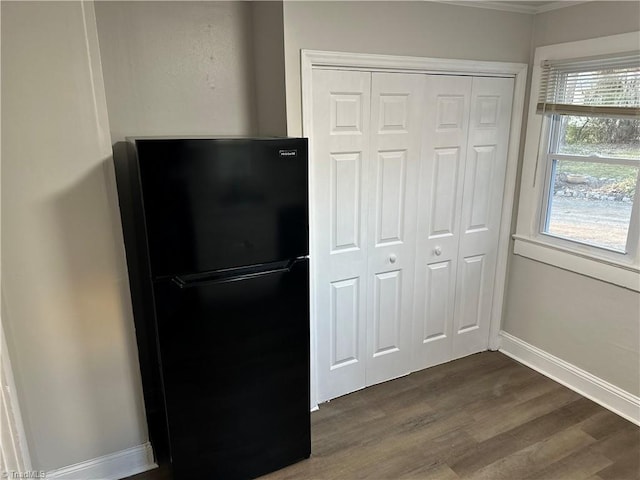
x=531, y=241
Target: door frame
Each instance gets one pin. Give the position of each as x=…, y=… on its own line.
x=318, y=59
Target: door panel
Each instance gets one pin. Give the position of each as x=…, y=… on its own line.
x=471, y=281
x=484, y=175
x=390, y=193
x=346, y=205
x=341, y=115
x=440, y=192
x=482, y=162
x=387, y=315
x=436, y=305
x=396, y=122
x=345, y=312
x=444, y=188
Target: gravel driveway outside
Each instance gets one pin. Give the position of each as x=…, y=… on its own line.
x=600, y=222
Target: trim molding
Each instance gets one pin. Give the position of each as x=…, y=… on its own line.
x=513, y=6
x=625, y=276
x=373, y=62
x=13, y=439
x=586, y=384
x=559, y=4
x=110, y=467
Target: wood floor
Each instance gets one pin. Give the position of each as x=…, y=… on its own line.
x=481, y=417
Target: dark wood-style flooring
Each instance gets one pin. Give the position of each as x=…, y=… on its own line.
x=482, y=417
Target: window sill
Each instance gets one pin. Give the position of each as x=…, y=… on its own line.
x=610, y=271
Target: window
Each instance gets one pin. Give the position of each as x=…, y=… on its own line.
x=593, y=155
x=579, y=201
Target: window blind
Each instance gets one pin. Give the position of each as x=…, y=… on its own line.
x=593, y=86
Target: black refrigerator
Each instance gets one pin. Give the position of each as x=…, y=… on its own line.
x=216, y=238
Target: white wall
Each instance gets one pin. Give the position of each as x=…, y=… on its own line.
x=64, y=292
x=424, y=29
x=588, y=323
x=178, y=68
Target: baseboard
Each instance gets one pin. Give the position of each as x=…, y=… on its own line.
x=586, y=384
x=109, y=467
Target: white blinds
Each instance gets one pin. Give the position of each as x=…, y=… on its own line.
x=593, y=86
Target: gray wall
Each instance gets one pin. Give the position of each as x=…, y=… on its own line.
x=588, y=20
x=188, y=68
x=424, y=29
x=583, y=321
x=268, y=54
x=178, y=68
x=168, y=68
x=588, y=323
x=65, y=301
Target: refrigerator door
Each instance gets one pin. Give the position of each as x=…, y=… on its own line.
x=235, y=360
x=212, y=204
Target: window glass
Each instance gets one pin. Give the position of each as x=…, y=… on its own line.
x=591, y=202
x=602, y=136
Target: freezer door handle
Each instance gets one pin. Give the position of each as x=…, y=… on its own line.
x=234, y=274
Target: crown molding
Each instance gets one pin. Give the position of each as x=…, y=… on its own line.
x=560, y=4
x=513, y=6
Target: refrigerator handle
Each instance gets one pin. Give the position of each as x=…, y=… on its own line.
x=233, y=275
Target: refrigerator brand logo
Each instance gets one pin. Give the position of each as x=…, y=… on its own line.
x=288, y=153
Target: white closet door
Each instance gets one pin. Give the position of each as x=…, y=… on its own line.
x=408, y=172
x=484, y=176
x=396, y=124
x=341, y=114
x=444, y=151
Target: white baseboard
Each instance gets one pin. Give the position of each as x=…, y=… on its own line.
x=109, y=467
x=586, y=384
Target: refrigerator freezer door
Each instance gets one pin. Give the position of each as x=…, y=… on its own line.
x=212, y=204
x=235, y=358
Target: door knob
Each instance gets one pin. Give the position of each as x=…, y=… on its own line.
x=437, y=251
x=393, y=258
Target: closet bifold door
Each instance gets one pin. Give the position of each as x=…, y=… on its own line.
x=341, y=115
x=396, y=124
x=408, y=178
x=441, y=184
x=461, y=185
x=484, y=176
